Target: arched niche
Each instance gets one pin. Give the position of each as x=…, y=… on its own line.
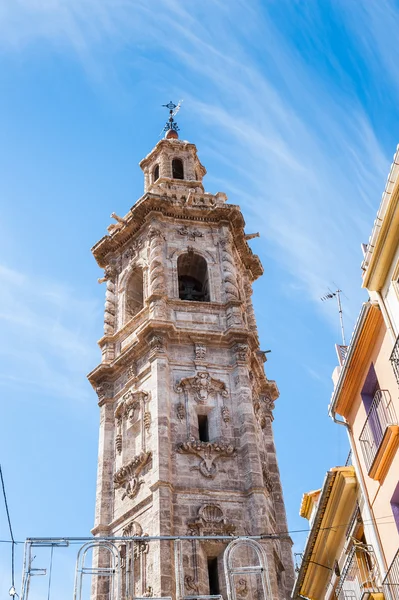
x=192, y=273
x=134, y=298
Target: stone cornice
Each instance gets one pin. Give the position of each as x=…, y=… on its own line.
x=209, y=212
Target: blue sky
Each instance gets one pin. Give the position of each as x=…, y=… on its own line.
x=293, y=108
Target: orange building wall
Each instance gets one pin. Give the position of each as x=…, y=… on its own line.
x=379, y=493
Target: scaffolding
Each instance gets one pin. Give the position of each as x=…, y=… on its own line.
x=115, y=568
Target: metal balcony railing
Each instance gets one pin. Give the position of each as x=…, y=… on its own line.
x=394, y=358
x=360, y=574
x=379, y=417
x=391, y=582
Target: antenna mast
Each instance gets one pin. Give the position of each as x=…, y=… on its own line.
x=337, y=295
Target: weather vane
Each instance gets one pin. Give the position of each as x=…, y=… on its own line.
x=171, y=124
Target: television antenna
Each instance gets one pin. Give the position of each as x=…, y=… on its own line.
x=337, y=295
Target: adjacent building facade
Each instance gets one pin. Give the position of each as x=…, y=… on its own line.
x=186, y=443
x=364, y=558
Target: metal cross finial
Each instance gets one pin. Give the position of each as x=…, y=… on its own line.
x=173, y=110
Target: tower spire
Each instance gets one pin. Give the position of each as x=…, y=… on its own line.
x=171, y=128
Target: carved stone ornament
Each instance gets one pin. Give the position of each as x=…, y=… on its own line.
x=134, y=529
x=156, y=343
x=263, y=407
x=104, y=390
x=147, y=420
x=111, y=271
x=225, y=414
x=131, y=371
x=200, y=351
x=190, y=584
x=210, y=521
x=148, y=592
x=241, y=351
x=202, y=385
x=181, y=411
x=130, y=405
x=118, y=443
x=209, y=453
x=127, y=477
x=267, y=480
x=191, y=234
x=241, y=588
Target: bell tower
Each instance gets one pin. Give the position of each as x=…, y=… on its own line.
x=186, y=410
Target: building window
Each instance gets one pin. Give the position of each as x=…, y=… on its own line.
x=177, y=169
x=203, y=428
x=134, y=293
x=193, y=277
x=155, y=174
x=214, y=589
x=370, y=387
x=395, y=506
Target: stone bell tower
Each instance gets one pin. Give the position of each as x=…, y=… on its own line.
x=186, y=443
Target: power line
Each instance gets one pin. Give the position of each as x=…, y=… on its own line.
x=12, y=589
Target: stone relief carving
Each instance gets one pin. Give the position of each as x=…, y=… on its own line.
x=181, y=411
x=131, y=407
x=118, y=443
x=209, y=453
x=200, y=351
x=241, y=351
x=127, y=477
x=156, y=343
x=191, y=234
x=202, y=385
x=104, y=390
x=263, y=407
x=225, y=414
x=210, y=521
x=157, y=276
x=229, y=272
x=267, y=480
x=110, y=273
x=242, y=588
x=147, y=420
x=190, y=584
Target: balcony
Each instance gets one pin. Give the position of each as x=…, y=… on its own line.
x=360, y=577
x=391, y=582
x=380, y=435
x=394, y=358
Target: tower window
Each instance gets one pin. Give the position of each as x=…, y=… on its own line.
x=214, y=589
x=134, y=293
x=203, y=429
x=177, y=169
x=155, y=174
x=193, y=277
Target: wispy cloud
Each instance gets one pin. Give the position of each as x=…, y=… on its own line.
x=300, y=143
x=48, y=333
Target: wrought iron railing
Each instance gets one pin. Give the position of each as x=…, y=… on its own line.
x=394, y=358
x=360, y=574
x=391, y=581
x=379, y=417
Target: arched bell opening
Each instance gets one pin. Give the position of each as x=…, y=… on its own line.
x=134, y=294
x=177, y=169
x=193, y=277
x=155, y=174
